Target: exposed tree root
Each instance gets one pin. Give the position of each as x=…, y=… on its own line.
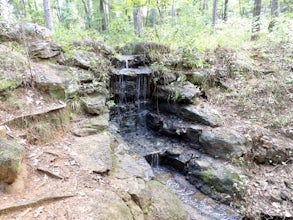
x=33, y=202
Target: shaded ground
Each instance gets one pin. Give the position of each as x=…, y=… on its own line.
x=257, y=99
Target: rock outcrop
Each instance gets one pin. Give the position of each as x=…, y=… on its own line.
x=44, y=49
x=212, y=176
x=13, y=66
x=11, y=156
x=94, y=152
x=23, y=32
x=224, y=143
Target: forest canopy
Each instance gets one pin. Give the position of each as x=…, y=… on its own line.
x=193, y=24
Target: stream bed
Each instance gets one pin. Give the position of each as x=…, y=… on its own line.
x=130, y=89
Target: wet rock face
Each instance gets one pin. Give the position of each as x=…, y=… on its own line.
x=212, y=176
x=173, y=127
x=129, y=61
x=11, y=156
x=130, y=90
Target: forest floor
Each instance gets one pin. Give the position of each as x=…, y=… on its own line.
x=257, y=100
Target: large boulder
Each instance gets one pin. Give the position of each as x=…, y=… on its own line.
x=13, y=66
x=108, y=205
x=224, y=143
x=177, y=92
x=91, y=126
x=23, y=32
x=58, y=81
x=11, y=156
x=44, y=49
x=138, y=193
x=127, y=166
x=165, y=205
x=95, y=105
x=172, y=126
x=87, y=60
x=94, y=152
x=214, y=177
x=201, y=113
x=272, y=150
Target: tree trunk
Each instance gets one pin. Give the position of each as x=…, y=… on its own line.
x=88, y=16
x=256, y=19
x=23, y=8
x=173, y=10
x=58, y=10
x=214, y=13
x=204, y=6
x=225, y=17
x=104, y=10
x=138, y=21
x=36, y=5
x=275, y=12
x=154, y=15
x=48, y=16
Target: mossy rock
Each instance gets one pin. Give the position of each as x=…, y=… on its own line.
x=144, y=48
x=12, y=66
x=213, y=177
x=11, y=155
x=165, y=206
x=59, y=81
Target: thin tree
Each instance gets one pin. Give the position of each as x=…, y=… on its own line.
x=225, y=16
x=138, y=21
x=48, y=16
x=58, y=10
x=214, y=13
x=256, y=19
x=154, y=16
x=23, y=8
x=205, y=5
x=275, y=12
x=173, y=11
x=88, y=13
x=104, y=10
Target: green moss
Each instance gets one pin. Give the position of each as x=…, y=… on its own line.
x=11, y=154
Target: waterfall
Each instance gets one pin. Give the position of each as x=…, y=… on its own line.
x=129, y=89
x=126, y=64
x=155, y=160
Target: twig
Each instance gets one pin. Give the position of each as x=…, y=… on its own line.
x=49, y=173
x=33, y=202
x=283, y=163
x=23, y=214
